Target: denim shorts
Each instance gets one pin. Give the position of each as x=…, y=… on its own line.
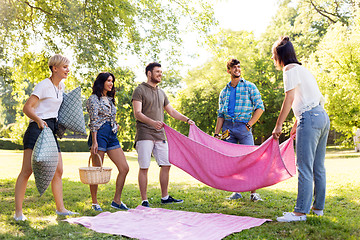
x=33, y=131
x=106, y=138
x=238, y=133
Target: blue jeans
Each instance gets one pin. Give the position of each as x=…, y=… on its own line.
x=311, y=137
x=238, y=133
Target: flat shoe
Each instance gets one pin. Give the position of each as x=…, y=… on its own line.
x=67, y=213
x=120, y=206
x=96, y=207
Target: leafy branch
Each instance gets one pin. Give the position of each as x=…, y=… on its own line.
x=328, y=15
x=38, y=8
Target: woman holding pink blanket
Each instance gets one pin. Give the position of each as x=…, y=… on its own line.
x=311, y=130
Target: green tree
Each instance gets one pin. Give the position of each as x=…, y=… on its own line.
x=306, y=23
x=199, y=100
x=330, y=52
x=7, y=104
x=125, y=86
x=93, y=33
x=336, y=65
x=96, y=31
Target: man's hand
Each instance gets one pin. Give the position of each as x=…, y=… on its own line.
x=248, y=126
x=218, y=136
x=191, y=122
x=157, y=125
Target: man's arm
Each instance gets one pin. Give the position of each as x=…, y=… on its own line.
x=137, y=105
x=258, y=104
x=219, y=124
x=220, y=119
x=175, y=114
x=255, y=117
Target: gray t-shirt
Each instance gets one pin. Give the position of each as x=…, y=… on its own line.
x=153, y=102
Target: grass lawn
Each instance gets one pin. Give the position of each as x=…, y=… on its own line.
x=341, y=219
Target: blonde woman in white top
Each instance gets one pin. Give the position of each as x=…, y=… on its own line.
x=311, y=130
x=42, y=108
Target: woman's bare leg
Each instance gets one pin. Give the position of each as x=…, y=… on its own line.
x=21, y=182
x=118, y=157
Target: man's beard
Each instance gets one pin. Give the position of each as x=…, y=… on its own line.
x=236, y=76
x=154, y=80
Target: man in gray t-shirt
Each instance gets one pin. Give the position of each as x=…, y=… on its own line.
x=149, y=103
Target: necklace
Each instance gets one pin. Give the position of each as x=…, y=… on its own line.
x=56, y=91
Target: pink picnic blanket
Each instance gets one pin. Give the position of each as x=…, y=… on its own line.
x=228, y=166
x=158, y=224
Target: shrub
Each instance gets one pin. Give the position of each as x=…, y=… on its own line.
x=66, y=145
x=6, y=143
x=73, y=145
x=127, y=146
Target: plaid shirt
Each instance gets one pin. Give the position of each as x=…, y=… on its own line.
x=248, y=99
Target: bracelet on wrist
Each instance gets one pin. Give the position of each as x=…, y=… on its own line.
x=188, y=120
x=248, y=125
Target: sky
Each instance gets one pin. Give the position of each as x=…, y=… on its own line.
x=249, y=15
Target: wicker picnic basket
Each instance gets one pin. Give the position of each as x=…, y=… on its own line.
x=95, y=175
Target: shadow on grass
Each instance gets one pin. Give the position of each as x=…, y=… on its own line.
x=345, y=157
x=341, y=220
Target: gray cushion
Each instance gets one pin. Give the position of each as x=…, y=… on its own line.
x=44, y=159
x=71, y=113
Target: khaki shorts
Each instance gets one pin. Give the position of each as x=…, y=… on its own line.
x=159, y=149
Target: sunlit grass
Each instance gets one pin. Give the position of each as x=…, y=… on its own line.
x=341, y=220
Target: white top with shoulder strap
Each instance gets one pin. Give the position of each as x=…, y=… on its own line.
x=307, y=93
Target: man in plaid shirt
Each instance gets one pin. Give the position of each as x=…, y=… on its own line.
x=240, y=106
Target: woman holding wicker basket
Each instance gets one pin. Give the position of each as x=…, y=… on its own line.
x=102, y=139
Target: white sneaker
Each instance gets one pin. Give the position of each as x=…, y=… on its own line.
x=291, y=217
x=255, y=197
x=317, y=212
x=234, y=196
x=21, y=218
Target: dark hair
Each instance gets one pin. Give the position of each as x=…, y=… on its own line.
x=151, y=66
x=284, y=52
x=231, y=63
x=98, y=86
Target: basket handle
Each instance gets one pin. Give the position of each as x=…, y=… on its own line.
x=99, y=157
